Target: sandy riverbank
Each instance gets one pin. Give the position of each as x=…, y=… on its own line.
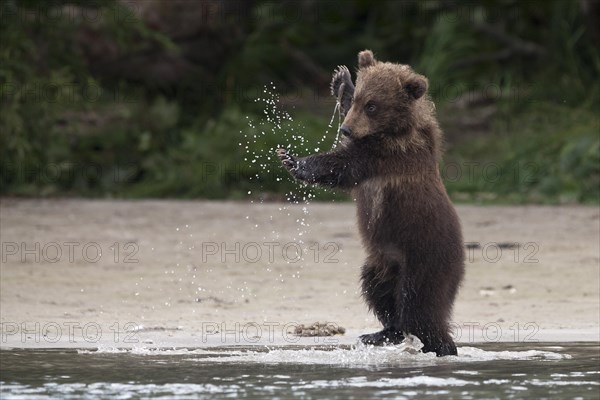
x=82, y=273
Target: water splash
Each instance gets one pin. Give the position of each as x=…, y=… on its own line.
x=337, y=110
x=353, y=356
x=278, y=126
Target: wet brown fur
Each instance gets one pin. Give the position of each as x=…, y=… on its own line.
x=410, y=230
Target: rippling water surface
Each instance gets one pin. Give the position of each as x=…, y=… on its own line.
x=500, y=370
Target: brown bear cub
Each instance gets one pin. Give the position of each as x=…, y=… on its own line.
x=388, y=158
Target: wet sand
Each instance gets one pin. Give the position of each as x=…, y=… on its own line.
x=89, y=273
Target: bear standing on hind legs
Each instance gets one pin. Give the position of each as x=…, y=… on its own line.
x=388, y=158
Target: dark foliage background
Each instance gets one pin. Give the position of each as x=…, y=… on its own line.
x=153, y=98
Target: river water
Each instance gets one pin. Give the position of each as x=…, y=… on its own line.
x=499, y=370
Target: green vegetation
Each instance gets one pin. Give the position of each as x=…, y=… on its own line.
x=101, y=100
x=539, y=156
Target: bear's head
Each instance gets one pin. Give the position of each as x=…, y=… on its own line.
x=388, y=100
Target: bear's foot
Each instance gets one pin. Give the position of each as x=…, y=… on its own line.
x=441, y=349
x=381, y=338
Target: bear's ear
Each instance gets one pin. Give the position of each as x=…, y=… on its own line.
x=416, y=87
x=366, y=59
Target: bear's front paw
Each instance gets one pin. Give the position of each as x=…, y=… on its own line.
x=286, y=159
x=342, y=88
x=341, y=76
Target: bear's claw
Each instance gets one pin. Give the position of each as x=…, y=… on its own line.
x=286, y=158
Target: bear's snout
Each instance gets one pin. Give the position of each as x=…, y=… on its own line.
x=344, y=130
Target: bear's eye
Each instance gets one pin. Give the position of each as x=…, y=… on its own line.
x=370, y=107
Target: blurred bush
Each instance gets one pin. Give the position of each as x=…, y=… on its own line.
x=149, y=98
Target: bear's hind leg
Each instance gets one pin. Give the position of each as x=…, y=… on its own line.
x=425, y=314
x=379, y=293
x=431, y=329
